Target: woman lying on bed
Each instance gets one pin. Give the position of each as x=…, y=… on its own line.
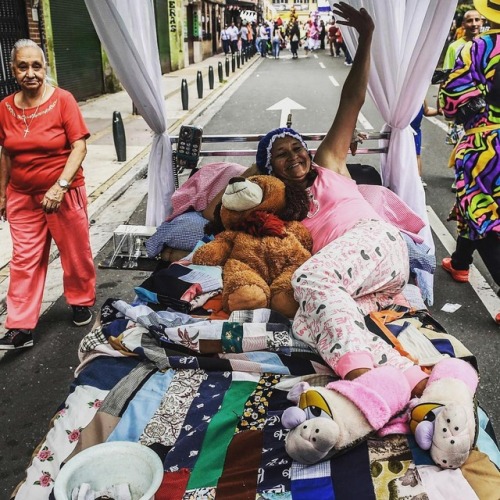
x=359, y=262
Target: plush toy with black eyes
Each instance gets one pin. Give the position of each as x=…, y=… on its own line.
x=328, y=420
x=443, y=419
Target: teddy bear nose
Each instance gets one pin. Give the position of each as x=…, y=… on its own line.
x=234, y=180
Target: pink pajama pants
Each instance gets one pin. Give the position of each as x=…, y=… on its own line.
x=32, y=231
x=360, y=272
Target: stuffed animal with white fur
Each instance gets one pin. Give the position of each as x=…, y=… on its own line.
x=334, y=418
x=443, y=418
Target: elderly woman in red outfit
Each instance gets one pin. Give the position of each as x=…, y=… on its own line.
x=42, y=195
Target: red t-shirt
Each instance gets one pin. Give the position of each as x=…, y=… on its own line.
x=38, y=159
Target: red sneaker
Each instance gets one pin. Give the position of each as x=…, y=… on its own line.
x=460, y=276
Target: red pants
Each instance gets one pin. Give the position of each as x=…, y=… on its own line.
x=32, y=231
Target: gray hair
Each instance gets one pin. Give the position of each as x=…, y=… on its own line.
x=21, y=44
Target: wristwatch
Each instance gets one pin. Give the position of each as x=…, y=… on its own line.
x=63, y=183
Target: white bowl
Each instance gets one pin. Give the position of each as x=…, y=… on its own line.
x=108, y=464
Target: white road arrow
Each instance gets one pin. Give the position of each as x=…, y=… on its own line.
x=285, y=106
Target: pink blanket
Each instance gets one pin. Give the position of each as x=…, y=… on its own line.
x=200, y=189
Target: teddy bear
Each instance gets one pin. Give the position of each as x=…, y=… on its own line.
x=332, y=419
x=262, y=244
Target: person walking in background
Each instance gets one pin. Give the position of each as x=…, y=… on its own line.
x=294, y=40
x=416, y=125
x=233, y=37
x=470, y=28
x=249, y=36
x=244, y=36
x=264, y=38
x=471, y=95
x=277, y=41
x=225, y=38
x=42, y=195
x=322, y=34
x=341, y=44
x=332, y=39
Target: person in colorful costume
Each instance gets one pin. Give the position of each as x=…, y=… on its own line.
x=471, y=25
x=472, y=94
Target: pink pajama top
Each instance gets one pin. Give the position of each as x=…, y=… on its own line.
x=336, y=205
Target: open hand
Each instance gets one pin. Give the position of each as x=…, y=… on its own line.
x=360, y=20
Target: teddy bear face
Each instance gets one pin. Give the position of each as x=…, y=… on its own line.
x=244, y=196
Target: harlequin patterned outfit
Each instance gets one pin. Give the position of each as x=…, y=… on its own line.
x=476, y=158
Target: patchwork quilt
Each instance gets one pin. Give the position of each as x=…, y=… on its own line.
x=207, y=396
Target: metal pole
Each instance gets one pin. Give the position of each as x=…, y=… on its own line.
x=184, y=94
x=221, y=74
x=211, y=77
x=227, y=67
x=242, y=57
x=233, y=63
x=238, y=59
x=119, y=137
x=199, y=84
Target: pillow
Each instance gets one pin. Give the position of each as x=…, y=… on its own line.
x=182, y=233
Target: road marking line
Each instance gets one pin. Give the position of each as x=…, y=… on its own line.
x=483, y=290
x=321, y=65
x=366, y=124
x=437, y=122
x=315, y=56
x=334, y=81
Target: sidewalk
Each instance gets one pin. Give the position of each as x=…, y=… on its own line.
x=106, y=178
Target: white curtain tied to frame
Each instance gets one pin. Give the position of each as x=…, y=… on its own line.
x=407, y=42
x=127, y=31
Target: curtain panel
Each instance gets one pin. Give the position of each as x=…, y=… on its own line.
x=407, y=42
x=127, y=31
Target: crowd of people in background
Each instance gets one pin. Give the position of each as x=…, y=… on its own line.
x=270, y=38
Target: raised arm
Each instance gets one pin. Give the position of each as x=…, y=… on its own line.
x=332, y=152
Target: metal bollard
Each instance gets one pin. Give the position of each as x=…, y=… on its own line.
x=233, y=63
x=221, y=74
x=199, y=84
x=227, y=67
x=238, y=59
x=211, y=77
x=119, y=137
x=242, y=57
x=184, y=94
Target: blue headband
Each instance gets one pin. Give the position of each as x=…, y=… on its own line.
x=263, y=157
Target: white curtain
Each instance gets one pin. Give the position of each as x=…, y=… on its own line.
x=408, y=38
x=127, y=31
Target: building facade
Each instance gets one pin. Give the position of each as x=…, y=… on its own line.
x=188, y=31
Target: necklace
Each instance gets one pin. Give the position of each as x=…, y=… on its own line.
x=313, y=204
x=26, y=124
